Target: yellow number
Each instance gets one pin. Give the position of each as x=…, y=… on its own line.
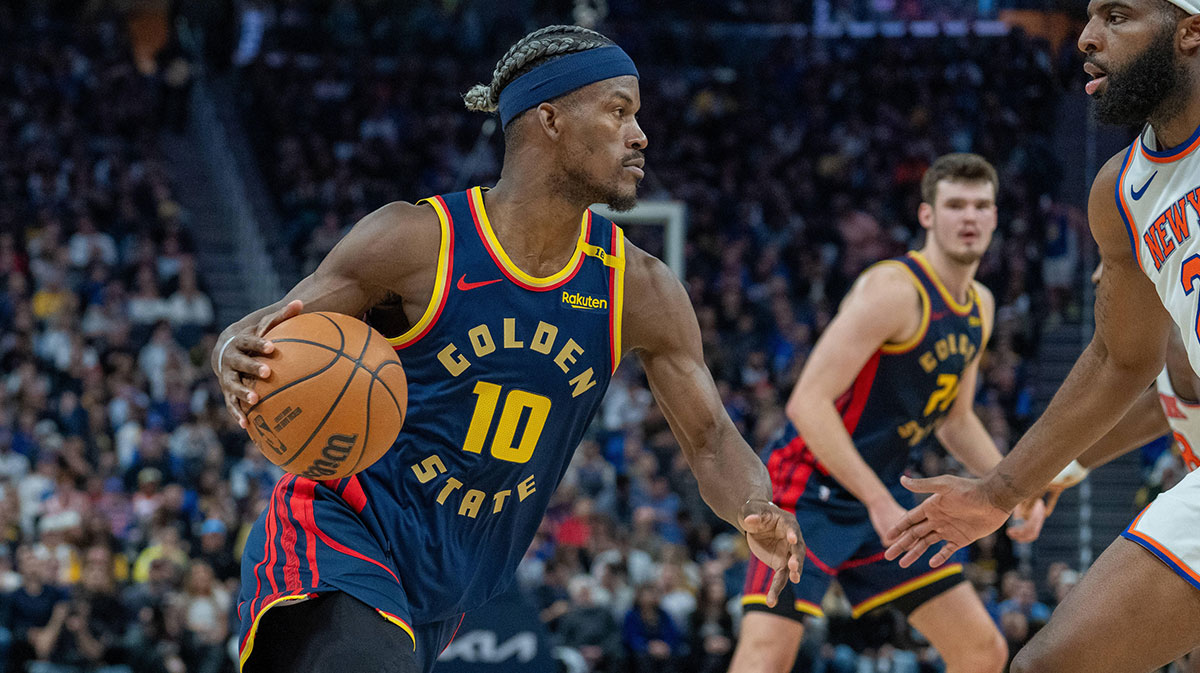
x=481, y=420
x=504, y=444
x=944, y=395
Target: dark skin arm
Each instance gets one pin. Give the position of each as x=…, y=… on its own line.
x=1119, y=363
x=660, y=326
x=391, y=252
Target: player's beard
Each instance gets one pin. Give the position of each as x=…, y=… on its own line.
x=1153, y=86
x=585, y=188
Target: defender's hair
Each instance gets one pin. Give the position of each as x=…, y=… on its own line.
x=958, y=167
x=534, y=49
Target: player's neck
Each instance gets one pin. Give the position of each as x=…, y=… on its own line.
x=535, y=225
x=956, y=276
x=1174, y=131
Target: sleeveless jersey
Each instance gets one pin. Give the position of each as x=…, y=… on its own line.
x=1184, y=418
x=1158, y=196
x=505, y=372
x=896, y=401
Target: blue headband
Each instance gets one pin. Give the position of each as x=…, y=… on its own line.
x=562, y=75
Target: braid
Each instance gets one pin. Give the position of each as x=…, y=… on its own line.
x=530, y=51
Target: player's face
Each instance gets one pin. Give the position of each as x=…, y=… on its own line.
x=603, y=156
x=1132, y=58
x=962, y=219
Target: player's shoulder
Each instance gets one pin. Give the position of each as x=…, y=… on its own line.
x=389, y=243
x=403, y=219
x=886, y=281
x=1106, y=179
x=1104, y=211
x=657, y=309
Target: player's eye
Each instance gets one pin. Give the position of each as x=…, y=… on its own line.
x=1115, y=18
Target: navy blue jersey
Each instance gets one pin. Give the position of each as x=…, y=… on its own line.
x=897, y=399
x=505, y=372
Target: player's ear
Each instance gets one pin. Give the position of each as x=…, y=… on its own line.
x=925, y=215
x=1189, y=34
x=550, y=120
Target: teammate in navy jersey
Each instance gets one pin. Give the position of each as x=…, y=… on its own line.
x=896, y=367
x=510, y=309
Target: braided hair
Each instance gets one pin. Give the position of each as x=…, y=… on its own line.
x=536, y=48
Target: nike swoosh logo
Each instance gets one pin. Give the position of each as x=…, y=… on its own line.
x=464, y=285
x=1137, y=193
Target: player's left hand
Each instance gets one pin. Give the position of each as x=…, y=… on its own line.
x=774, y=537
x=1027, y=520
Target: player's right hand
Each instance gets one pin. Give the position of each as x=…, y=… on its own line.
x=884, y=515
x=235, y=364
x=959, y=512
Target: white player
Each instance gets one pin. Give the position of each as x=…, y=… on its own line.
x=1138, y=607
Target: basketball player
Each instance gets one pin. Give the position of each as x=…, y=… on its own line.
x=510, y=309
x=1138, y=606
x=883, y=379
x=1170, y=406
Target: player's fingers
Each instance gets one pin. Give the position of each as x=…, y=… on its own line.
x=777, y=584
x=915, y=551
x=292, y=310
x=241, y=364
x=234, y=386
x=943, y=554
x=928, y=484
x=1052, y=500
x=911, y=518
x=234, y=410
x=795, y=567
x=757, y=522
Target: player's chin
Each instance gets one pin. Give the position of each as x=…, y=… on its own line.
x=622, y=199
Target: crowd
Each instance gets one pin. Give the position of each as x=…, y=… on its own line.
x=123, y=486
x=125, y=489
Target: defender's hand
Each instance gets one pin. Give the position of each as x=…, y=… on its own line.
x=1027, y=520
x=236, y=366
x=958, y=512
x=1070, y=476
x=774, y=537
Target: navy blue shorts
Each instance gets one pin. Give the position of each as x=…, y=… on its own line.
x=843, y=545
x=309, y=541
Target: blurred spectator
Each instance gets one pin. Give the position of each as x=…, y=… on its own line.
x=653, y=641
x=589, y=626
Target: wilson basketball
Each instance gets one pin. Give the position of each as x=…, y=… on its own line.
x=335, y=399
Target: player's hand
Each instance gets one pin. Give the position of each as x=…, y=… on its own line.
x=958, y=512
x=1070, y=476
x=236, y=366
x=884, y=516
x=774, y=537
x=1027, y=520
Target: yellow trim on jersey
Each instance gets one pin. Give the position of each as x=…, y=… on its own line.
x=441, y=279
x=399, y=622
x=618, y=298
x=493, y=243
x=985, y=325
x=961, y=309
x=911, y=342
x=906, y=588
x=799, y=606
x=245, y=654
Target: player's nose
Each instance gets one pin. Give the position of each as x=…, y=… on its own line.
x=1089, y=39
x=637, y=140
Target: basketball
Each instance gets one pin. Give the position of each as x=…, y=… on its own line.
x=335, y=399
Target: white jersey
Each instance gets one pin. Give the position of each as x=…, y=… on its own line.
x=1158, y=196
x=1184, y=418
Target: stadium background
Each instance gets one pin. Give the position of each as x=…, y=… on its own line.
x=167, y=167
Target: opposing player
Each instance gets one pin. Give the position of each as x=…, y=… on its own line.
x=510, y=309
x=1170, y=406
x=896, y=366
x=1137, y=607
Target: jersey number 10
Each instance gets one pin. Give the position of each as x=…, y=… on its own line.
x=504, y=443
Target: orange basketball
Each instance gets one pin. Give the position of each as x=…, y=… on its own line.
x=335, y=399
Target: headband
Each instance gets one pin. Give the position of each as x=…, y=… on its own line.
x=1189, y=6
x=562, y=75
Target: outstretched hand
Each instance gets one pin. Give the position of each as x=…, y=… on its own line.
x=774, y=537
x=958, y=513
x=236, y=365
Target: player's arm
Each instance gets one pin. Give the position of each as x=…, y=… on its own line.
x=961, y=432
x=392, y=250
x=1118, y=364
x=1143, y=423
x=660, y=325
x=883, y=306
